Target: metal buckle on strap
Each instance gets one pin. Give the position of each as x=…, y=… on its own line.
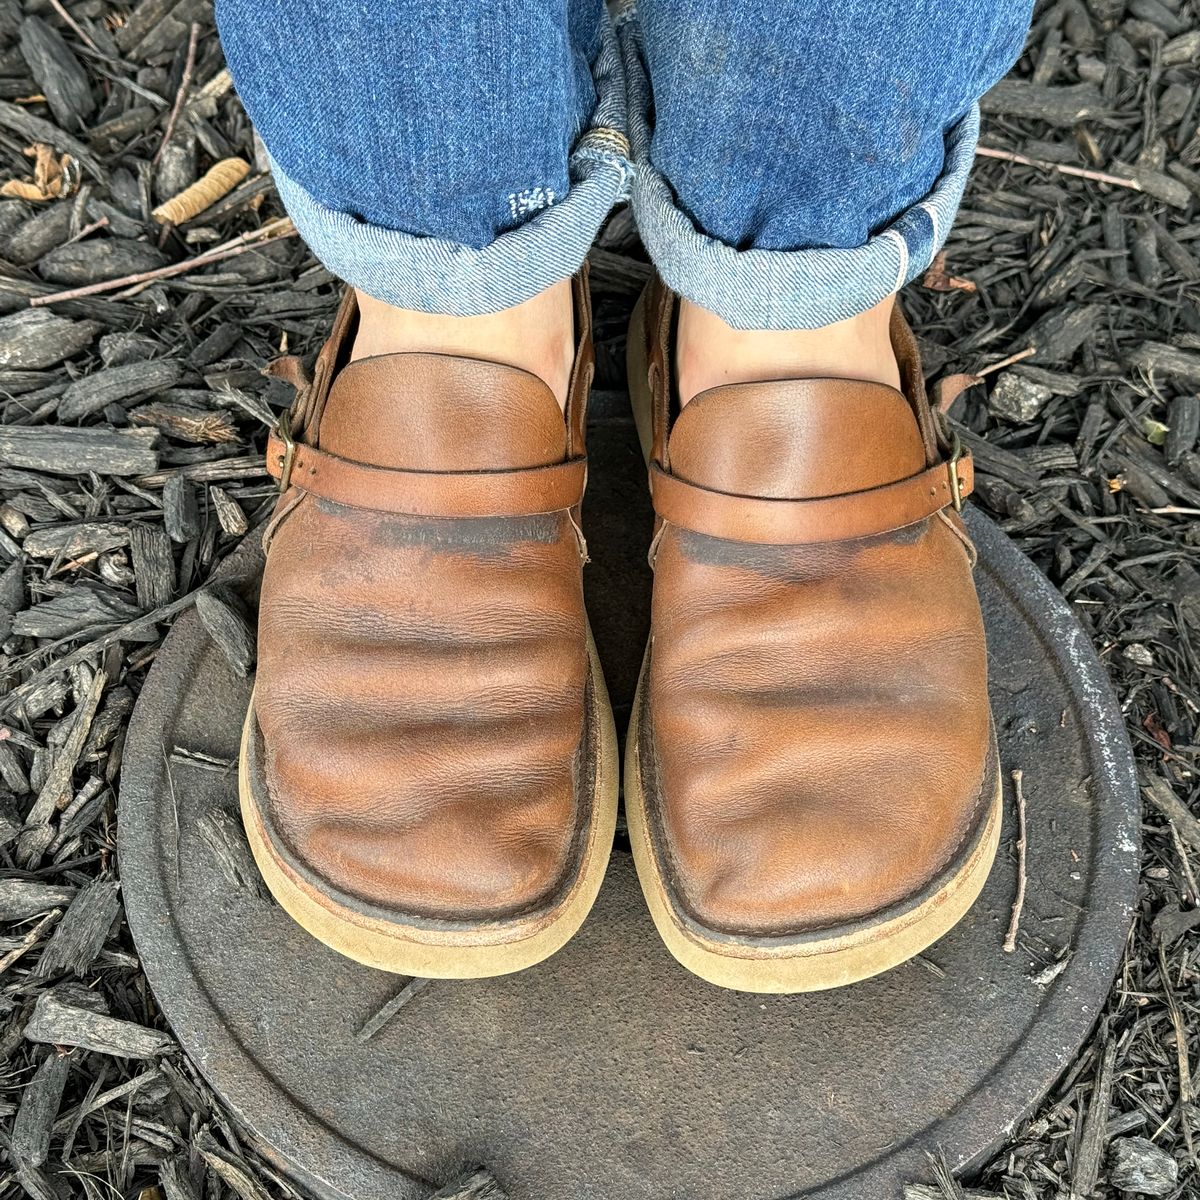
x=289, y=451
x=956, y=483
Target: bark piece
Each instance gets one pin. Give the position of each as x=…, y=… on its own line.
x=124, y=347
x=42, y=231
x=56, y=789
x=181, y=512
x=58, y=73
x=12, y=594
x=1055, y=105
x=35, y=338
x=83, y=930
x=217, y=345
x=64, y=1024
x=229, y=512
x=225, y=837
x=116, y=384
x=99, y=259
x=1183, y=427
x=21, y=899
x=74, y=540
x=1059, y=334
x=479, y=1184
x=188, y=423
x=176, y=1181
x=87, y=605
x=40, y=1103
x=228, y=627
x=1090, y=1155
x=153, y=565
x=1155, y=358
x=1136, y=1164
x=99, y=448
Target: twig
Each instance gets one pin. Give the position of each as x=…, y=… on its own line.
x=70, y=20
x=185, y=82
x=1028, y=352
x=1010, y=941
x=1186, y=864
x=280, y=228
x=374, y=1024
x=1181, y=1050
x=1177, y=1020
x=29, y=940
x=1062, y=168
x=1161, y=795
x=102, y=223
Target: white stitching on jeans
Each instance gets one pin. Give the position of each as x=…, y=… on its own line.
x=531, y=200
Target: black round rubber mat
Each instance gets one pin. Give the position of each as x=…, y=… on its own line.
x=609, y=1072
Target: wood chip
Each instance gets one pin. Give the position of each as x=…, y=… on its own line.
x=21, y=899
x=64, y=451
x=229, y=628
x=63, y=1024
x=36, y=338
x=93, y=393
x=80, y=935
x=40, y=1101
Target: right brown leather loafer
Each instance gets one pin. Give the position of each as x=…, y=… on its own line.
x=811, y=777
x=429, y=764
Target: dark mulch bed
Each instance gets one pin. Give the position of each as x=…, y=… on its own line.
x=132, y=422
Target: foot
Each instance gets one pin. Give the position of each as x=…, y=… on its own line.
x=811, y=781
x=537, y=336
x=428, y=767
x=709, y=353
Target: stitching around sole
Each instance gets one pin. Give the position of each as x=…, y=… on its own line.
x=784, y=965
x=495, y=948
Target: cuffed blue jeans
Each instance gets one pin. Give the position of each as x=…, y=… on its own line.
x=790, y=162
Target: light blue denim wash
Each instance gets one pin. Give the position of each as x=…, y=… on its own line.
x=791, y=162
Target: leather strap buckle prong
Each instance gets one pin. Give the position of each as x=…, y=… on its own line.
x=956, y=483
x=289, y=452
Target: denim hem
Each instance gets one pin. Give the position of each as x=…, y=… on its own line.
x=436, y=275
x=783, y=289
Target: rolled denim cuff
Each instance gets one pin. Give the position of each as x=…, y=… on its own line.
x=784, y=289
x=435, y=275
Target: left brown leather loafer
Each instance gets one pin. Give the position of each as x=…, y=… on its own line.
x=429, y=765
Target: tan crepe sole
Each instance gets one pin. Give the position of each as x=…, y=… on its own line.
x=788, y=965
x=462, y=952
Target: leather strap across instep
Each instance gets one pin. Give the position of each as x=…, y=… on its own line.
x=783, y=522
x=519, y=492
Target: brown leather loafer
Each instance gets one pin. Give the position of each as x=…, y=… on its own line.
x=811, y=777
x=429, y=766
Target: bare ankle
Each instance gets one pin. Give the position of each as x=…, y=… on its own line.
x=537, y=336
x=710, y=353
